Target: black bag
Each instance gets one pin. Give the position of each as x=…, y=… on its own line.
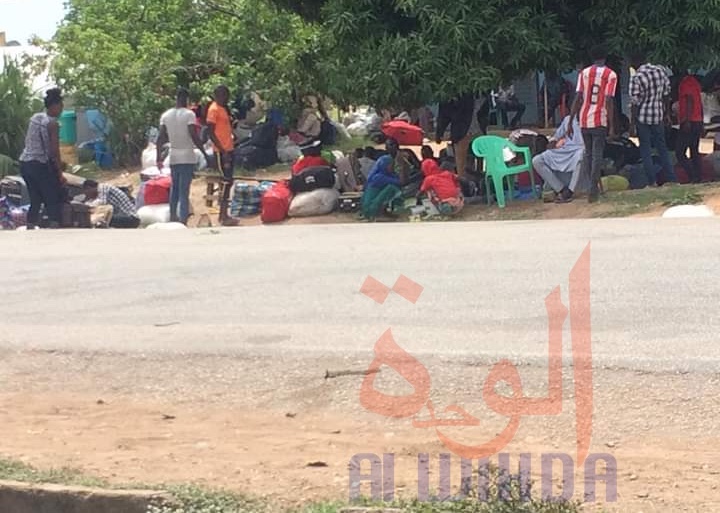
x=313, y=178
x=253, y=157
x=350, y=202
x=264, y=135
x=328, y=133
x=15, y=190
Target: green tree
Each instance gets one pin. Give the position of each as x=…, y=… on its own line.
x=17, y=105
x=405, y=52
x=126, y=57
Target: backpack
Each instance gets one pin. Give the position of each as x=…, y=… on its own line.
x=252, y=157
x=313, y=178
x=264, y=135
x=328, y=133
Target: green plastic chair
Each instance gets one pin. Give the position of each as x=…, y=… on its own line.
x=490, y=148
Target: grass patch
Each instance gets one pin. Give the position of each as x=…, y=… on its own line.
x=193, y=499
x=17, y=471
x=350, y=145
x=627, y=203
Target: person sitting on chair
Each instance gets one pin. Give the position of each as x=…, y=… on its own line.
x=564, y=156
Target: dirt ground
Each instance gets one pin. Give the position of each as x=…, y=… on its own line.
x=273, y=426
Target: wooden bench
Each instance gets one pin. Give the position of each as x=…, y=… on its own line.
x=212, y=193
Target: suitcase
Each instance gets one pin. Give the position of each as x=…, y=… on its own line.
x=276, y=203
x=404, y=133
x=76, y=215
x=15, y=190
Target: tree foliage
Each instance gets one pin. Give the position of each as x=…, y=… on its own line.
x=17, y=104
x=126, y=57
x=405, y=52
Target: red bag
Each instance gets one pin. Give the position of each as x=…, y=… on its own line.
x=523, y=179
x=404, y=133
x=157, y=191
x=276, y=203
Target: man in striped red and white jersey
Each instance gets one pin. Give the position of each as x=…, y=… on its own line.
x=594, y=104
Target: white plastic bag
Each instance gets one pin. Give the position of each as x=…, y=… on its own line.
x=151, y=214
x=287, y=150
x=200, y=162
x=687, y=211
x=358, y=129
x=319, y=202
x=149, y=156
x=167, y=226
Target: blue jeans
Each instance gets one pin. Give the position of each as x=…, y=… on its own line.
x=182, y=175
x=653, y=136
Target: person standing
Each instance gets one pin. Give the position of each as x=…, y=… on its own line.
x=458, y=115
x=40, y=164
x=594, y=104
x=506, y=102
x=178, y=127
x=219, y=123
x=690, y=117
x=650, y=97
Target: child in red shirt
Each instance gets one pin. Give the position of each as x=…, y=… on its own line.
x=442, y=187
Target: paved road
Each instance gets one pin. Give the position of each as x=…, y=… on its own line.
x=296, y=288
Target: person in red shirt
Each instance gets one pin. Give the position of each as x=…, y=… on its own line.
x=594, y=104
x=311, y=157
x=442, y=187
x=690, y=117
x=429, y=164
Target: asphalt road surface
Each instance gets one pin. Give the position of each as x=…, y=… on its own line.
x=275, y=289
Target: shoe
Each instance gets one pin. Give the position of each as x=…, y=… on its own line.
x=230, y=222
x=564, y=196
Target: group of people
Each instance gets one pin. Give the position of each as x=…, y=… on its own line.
x=593, y=120
x=578, y=146
x=42, y=170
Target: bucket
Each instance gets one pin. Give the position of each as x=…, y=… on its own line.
x=68, y=127
x=103, y=157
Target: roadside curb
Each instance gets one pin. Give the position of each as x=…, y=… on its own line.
x=370, y=510
x=17, y=497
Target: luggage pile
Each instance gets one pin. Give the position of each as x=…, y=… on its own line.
x=247, y=198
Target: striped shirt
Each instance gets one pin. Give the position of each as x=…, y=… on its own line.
x=648, y=88
x=37, y=139
x=596, y=84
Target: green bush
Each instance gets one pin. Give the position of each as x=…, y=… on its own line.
x=17, y=105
